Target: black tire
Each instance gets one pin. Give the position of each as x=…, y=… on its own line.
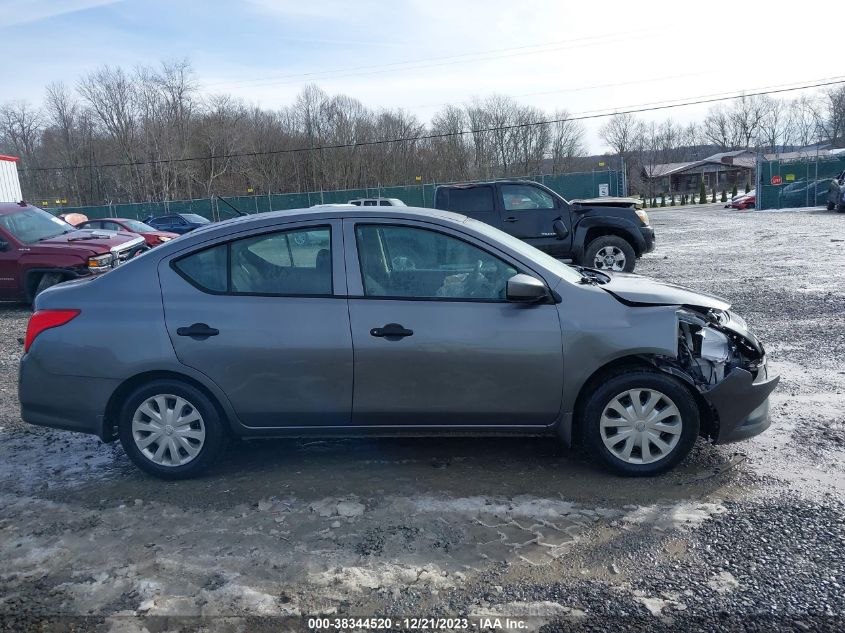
x=47, y=280
x=831, y=206
x=610, y=242
x=215, y=433
x=841, y=207
x=614, y=385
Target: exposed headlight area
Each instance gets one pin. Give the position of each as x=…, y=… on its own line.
x=708, y=350
x=642, y=215
x=100, y=263
x=164, y=238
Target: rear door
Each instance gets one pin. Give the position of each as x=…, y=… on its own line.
x=528, y=212
x=476, y=201
x=265, y=317
x=436, y=342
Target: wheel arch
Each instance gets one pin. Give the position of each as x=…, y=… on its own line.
x=109, y=432
x=708, y=423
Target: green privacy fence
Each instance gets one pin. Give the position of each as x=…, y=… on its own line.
x=570, y=186
x=796, y=183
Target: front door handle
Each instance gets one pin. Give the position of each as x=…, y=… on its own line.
x=198, y=331
x=510, y=219
x=391, y=331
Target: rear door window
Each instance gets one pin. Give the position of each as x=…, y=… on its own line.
x=283, y=263
x=296, y=262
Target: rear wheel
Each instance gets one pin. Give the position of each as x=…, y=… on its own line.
x=610, y=252
x=831, y=206
x=640, y=422
x=171, y=429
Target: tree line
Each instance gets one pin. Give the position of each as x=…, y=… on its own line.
x=151, y=134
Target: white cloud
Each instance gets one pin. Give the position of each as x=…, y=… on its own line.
x=16, y=12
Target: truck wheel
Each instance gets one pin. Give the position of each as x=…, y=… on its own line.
x=640, y=422
x=831, y=206
x=841, y=207
x=610, y=252
x=170, y=429
x=47, y=280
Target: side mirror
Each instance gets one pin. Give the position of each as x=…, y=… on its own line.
x=560, y=229
x=4, y=245
x=526, y=289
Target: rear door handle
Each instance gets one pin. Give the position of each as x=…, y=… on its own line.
x=391, y=331
x=510, y=219
x=198, y=331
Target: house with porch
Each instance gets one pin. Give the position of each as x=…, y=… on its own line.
x=722, y=171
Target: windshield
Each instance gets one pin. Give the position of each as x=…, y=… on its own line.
x=137, y=227
x=193, y=217
x=554, y=265
x=30, y=225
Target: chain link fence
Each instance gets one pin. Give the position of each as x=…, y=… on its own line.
x=570, y=186
x=802, y=182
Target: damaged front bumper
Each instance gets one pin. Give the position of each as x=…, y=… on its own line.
x=741, y=404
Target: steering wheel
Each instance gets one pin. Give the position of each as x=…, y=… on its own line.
x=474, y=279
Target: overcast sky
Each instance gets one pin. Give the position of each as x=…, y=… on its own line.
x=420, y=54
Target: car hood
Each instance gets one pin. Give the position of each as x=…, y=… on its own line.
x=637, y=290
x=94, y=239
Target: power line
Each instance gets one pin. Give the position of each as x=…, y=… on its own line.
x=412, y=64
x=593, y=114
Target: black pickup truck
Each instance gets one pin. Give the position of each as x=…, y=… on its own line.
x=608, y=235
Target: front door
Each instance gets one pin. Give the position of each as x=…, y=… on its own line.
x=436, y=343
x=529, y=212
x=265, y=317
x=9, y=273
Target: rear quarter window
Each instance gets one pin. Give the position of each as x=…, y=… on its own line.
x=206, y=269
x=470, y=201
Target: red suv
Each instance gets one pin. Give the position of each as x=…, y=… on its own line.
x=38, y=250
x=153, y=237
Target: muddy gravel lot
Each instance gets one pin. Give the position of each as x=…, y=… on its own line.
x=748, y=536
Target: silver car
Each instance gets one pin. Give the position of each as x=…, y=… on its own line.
x=385, y=321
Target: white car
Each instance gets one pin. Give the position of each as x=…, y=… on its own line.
x=378, y=202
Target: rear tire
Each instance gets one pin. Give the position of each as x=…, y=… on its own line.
x=642, y=438
x=606, y=247
x=171, y=429
x=831, y=206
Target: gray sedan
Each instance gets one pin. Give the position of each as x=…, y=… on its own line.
x=349, y=320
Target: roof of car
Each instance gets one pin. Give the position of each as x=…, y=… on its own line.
x=503, y=181
x=331, y=211
x=12, y=207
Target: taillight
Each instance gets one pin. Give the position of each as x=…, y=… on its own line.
x=44, y=320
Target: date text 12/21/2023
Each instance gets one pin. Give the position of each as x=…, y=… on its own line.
x=492, y=623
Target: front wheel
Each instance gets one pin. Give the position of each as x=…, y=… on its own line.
x=171, y=429
x=831, y=206
x=640, y=423
x=610, y=252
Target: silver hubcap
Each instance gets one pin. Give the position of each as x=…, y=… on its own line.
x=610, y=258
x=640, y=426
x=168, y=430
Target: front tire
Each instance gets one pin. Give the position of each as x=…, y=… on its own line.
x=831, y=206
x=640, y=422
x=171, y=429
x=611, y=253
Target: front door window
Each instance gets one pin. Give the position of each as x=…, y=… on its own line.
x=403, y=261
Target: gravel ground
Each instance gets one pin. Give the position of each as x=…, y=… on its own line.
x=741, y=537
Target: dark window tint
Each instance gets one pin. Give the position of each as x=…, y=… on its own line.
x=522, y=197
x=472, y=200
x=369, y=203
x=284, y=263
x=384, y=203
x=357, y=203
x=206, y=269
x=401, y=261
